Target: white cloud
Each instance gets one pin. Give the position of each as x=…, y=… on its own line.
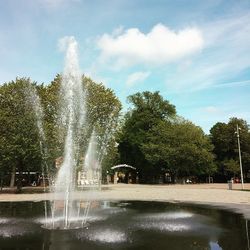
x=225, y=55
x=136, y=78
x=160, y=46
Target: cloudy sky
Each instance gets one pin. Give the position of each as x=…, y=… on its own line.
x=196, y=53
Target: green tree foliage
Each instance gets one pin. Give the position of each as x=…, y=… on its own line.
x=154, y=141
x=148, y=110
x=19, y=139
x=103, y=112
x=179, y=147
x=231, y=166
x=224, y=139
x=49, y=97
x=19, y=136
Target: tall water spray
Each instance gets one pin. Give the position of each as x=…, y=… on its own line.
x=71, y=117
x=65, y=211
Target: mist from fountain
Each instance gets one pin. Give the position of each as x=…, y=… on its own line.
x=34, y=101
x=91, y=162
x=64, y=209
x=90, y=175
x=71, y=117
x=81, y=164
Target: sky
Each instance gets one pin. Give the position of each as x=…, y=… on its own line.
x=196, y=53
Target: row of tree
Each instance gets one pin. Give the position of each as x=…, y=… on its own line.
x=157, y=142
x=150, y=136
x=20, y=138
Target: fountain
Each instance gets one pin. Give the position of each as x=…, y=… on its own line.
x=66, y=212
x=71, y=116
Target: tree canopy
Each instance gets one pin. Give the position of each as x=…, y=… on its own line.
x=179, y=147
x=150, y=136
x=19, y=142
x=148, y=109
x=224, y=139
x=155, y=140
x=20, y=138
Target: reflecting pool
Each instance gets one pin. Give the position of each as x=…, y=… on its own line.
x=126, y=225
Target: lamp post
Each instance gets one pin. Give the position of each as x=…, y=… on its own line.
x=241, y=172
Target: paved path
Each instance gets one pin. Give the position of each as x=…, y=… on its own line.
x=210, y=194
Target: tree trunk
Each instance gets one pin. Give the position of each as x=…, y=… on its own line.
x=29, y=181
x=20, y=178
x=1, y=185
x=13, y=177
x=19, y=183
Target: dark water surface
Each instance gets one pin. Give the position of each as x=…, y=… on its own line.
x=126, y=225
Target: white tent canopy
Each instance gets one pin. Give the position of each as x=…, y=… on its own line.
x=123, y=166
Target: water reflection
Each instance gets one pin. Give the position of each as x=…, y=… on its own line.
x=214, y=245
x=247, y=234
x=126, y=225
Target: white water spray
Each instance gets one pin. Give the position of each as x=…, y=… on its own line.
x=34, y=101
x=71, y=122
x=72, y=115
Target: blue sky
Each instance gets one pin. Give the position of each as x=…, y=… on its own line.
x=196, y=53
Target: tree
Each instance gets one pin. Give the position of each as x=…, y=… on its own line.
x=231, y=166
x=102, y=106
x=54, y=130
x=103, y=113
x=20, y=136
x=19, y=140
x=224, y=139
x=148, y=110
x=180, y=148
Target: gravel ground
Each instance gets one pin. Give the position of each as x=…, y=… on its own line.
x=209, y=194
